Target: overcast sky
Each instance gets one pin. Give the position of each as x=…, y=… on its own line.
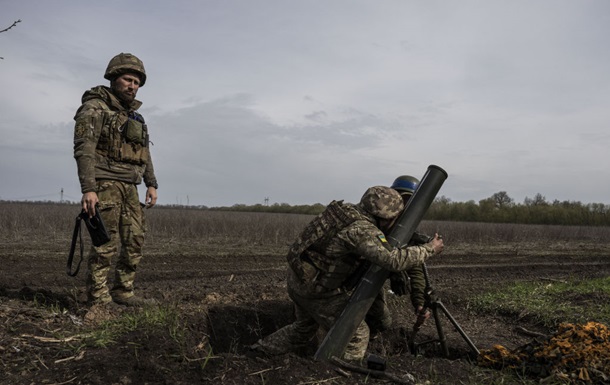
x=308, y=101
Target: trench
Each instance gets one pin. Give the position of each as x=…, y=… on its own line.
x=232, y=329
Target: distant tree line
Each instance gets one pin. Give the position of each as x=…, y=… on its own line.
x=276, y=208
x=501, y=208
x=498, y=208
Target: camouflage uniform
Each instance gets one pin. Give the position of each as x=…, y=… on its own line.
x=417, y=285
x=379, y=318
x=412, y=280
x=325, y=265
x=112, y=155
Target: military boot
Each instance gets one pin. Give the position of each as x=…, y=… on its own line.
x=98, y=301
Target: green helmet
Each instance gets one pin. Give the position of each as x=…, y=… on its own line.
x=382, y=202
x=405, y=184
x=123, y=63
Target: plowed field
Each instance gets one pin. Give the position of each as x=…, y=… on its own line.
x=221, y=295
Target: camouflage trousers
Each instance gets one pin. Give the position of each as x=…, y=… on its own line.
x=379, y=317
x=312, y=313
x=123, y=217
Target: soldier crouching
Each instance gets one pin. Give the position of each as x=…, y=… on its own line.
x=325, y=264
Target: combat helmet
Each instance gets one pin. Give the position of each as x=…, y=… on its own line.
x=405, y=184
x=382, y=202
x=125, y=62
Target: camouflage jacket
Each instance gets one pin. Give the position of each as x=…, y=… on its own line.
x=101, y=149
x=417, y=285
x=329, y=262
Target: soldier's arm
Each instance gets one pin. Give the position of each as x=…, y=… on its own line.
x=418, y=285
x=87, y=130
x=150, y=180
x=369, y=242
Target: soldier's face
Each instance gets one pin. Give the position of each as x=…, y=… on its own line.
x=126, y=87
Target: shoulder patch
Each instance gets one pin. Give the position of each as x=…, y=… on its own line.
x=81, y=128
x=382, y=238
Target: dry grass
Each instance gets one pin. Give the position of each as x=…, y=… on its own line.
x=49, y=222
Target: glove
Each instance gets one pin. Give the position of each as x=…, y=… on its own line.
x=399, y=283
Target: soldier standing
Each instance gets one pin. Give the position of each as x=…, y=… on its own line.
x=111, y=148
x=324, y=259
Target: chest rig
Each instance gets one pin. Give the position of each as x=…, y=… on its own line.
x=127, y=137
x=307, y=256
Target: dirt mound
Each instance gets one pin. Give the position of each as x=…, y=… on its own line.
x=575, y=353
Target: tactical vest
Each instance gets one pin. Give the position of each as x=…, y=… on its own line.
x=308, y=249
x=128, y=139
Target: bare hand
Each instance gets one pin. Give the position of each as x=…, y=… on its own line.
x=89, y=201
x=422, y=315
x=437, y=244
x=151, y=197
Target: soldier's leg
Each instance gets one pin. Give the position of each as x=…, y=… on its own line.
x=131, y=231
x=296, y=337
x=379, y=317
x=326, y=311
x=327, y=315
x=356, y=348
x=100, y=258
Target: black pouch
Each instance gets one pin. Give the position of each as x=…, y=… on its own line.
x=374, y=362
x=95, y=226
x=97, y=231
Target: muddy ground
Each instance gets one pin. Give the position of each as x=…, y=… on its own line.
x=227, y=297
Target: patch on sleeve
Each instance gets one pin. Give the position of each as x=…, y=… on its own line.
x=80, y=129
x=382, y=238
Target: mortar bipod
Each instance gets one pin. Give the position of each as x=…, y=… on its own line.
x=435, y=304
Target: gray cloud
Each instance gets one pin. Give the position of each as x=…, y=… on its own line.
x=228, y=151
x=308, y=102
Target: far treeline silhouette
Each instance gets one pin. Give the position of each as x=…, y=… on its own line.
x=498, y=208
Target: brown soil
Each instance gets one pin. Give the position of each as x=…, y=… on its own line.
x=228, y=299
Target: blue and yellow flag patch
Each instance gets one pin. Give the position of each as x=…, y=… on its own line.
x=382, y=238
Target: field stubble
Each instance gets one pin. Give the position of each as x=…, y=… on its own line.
x=223, y=276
